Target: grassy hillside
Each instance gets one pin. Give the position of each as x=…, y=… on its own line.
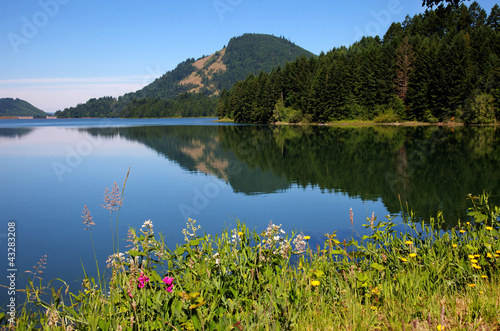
x=205, y=78
x=18, y=107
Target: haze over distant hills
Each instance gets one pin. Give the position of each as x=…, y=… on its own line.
x=190, y=88
x=18, y=107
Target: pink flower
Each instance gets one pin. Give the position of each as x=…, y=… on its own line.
x=142, y=280
x=168, y=280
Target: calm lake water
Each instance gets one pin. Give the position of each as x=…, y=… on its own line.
x=304, y=177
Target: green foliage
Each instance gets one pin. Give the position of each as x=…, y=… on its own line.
x=433, y=61
x=18, y=107
x=245, y=280
x=288, y=115
x=183, y=105
x=481, y=109
x=102, y=107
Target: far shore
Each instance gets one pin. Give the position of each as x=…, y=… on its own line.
x=352, y=123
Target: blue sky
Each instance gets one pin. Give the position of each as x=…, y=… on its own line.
x=58, y=53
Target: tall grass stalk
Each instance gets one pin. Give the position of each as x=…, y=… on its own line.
x=406, y=276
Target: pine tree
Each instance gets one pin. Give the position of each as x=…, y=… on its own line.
x=404, y=64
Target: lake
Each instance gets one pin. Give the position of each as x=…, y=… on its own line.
x=304, y=177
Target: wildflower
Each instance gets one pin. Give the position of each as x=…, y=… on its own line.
x=373, y=308
x=484, y=276
x=440, y=327
x=216, y=257
x=471, y=256
x=498, y=251
x=477, y=255
x=462, y=231
x=403, y=259
x=474, y=261
x=307, y=237
x=143, y=279
x=489, y=255
x=497, y=255
x=235, y=237
x=115, y=260
x=489, y=228
x=240, y=233
x=409, y=242
x=315, y=283
x=112, y=198
x=475, y=266
x=300, y=244
x=412, y=254
x=472, y=285
x=87, y=218
x=468, y=223
x=454, y=245
x=148, y=224
x=169, y=282
x=480, y=292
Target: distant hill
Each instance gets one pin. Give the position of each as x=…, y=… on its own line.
x=18, y=107
x=191, y=89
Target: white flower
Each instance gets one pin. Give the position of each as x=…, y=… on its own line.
x=147, y=224
x=277, y=238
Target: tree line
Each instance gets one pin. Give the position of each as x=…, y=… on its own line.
x=437, y=66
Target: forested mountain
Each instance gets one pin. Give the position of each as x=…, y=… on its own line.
x=18, y=107
x=441, y=65
x=191, y=89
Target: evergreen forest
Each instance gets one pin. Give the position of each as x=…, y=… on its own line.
x=438, y=66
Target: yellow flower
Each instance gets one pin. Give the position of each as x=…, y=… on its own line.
x=489, y=255
x=471, y=256
x=307, y=237
x=496, y=255
x=403, y=259
x=468, y=223
x=315, y=283
x=489, y=228
x=454, y=245
x=498, y=251
x=440, y=327
x=484, y=276
x=408, y=242
x=462, y=231
x=477, y=255
x=373, y=308
x=240, y=233
x=412, y=254
x=480, y=292
x=474, y=261
x=472, y=285
x=475, y=266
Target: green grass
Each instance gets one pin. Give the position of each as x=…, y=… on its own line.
x=411, y=276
